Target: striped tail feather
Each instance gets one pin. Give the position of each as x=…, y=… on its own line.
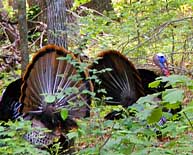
x=122, y=83
x=51, y=73
x=48, y=75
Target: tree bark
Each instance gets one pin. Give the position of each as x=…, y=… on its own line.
x=56, y=22
x=22, y=25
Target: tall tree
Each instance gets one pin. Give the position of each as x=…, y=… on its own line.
x=23, y=30
x=56, y=22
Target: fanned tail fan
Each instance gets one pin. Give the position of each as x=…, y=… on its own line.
x=52, y=73
x=122, y=83
x=46, y=75
x=52, y=82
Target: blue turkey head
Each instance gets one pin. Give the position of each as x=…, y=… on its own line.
x=161, y=61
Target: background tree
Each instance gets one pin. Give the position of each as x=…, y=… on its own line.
x=56, y=22
x=23, y=31
x=66, y=15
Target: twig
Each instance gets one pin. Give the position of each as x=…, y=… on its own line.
x=105, y=142
x=42, y=34
x=41, y=12
x=97, y=12
x=41, y=38
x=159, y=30
x=188, y=120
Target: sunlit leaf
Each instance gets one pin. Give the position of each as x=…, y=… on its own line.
x=155, y=116
x=49, y=98
x=154, y=84
x=173, y=95
x=64, y=113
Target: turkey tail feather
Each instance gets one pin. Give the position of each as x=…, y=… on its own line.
x=122, y=83
x=47, y=75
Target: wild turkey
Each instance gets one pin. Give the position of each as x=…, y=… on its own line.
x=125, y=84
x=121, y=82
x=160, y=60
x=47, y=75
x=148, y=76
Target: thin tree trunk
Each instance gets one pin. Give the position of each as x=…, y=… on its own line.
x=56, y=22
x=22, y=25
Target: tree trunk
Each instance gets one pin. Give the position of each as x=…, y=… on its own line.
x=22, y=25
x=56, y=22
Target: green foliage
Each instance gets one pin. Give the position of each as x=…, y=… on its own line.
x=154, y=84
x=49, y=98
x=7, y=78
x=9, y=10
x=131, y=135
x=155, y=116
x=32, y=12
x=64, y=113
x=138, y=29
x=177, y=80
x=12, y=141
x=79, y=2
x=34, y=36
x=173, y=95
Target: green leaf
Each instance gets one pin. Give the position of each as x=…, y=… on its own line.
x=173, y=95
x=64, y=113
x=67, y=57
x=155, y=116
x=147, y=99
x=71, y=90
x=72, y=135
x=88, y=92
x=1, y=128
x=59, y=95
x=49, y=98
x=102, y=91
x=154, y=84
